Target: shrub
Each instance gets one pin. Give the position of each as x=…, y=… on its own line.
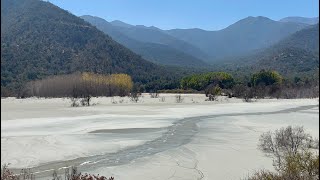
x=301, y=166
x=212, y=92
x=134, y=95
x=291, y=150
x=179, y=99
x=70, y=174
x=154, y=94
x=74, y=102
x=162, y=99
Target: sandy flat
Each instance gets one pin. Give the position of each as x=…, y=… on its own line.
x=151, y=139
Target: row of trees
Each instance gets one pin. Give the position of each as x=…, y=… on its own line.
x=262, y=84
x=80, y=85
x=265, y=83
x=201, y=81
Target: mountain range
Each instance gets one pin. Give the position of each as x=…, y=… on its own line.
x=161, y=49
x=193, y=46
x=295, y=55
x=39, y=39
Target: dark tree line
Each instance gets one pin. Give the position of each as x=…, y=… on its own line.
x=265, y=83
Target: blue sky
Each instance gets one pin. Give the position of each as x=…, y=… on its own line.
x=205, y=14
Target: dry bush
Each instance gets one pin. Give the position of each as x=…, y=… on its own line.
x=264, y=175
x=70, y=174
x=6, y=174
x=212, y=91
x=154, y=94
x=244, y=92
x=162, y=99
x=301, y=166
x=74, y=102
x=298, y=92
x=179, y=98
x=113, y=101
x=25, y=174
x=134, y=97
x=293, y=158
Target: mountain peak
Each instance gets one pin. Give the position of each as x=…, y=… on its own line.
x=120, y=24
x=257, y=18
x=250, y=20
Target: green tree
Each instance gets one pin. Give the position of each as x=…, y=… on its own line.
x=202, y=81
x=266, y=78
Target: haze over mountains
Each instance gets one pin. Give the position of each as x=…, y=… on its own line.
x=162, y=49
x=237, y=39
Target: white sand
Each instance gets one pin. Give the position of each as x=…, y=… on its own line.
x=35, y=131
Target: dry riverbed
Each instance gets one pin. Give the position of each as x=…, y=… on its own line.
x=156, y=138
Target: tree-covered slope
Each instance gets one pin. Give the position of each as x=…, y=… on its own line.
x=295, y=55
x=307, y=39
x=39, y=39
x=155, y=52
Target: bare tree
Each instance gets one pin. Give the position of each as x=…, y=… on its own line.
x=284, y=142
x=293, y=159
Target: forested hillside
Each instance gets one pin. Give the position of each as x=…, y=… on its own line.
x=296, y=55
x=39, y=39
x=155, y=52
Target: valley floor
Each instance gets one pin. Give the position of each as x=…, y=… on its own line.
x=151, y=139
